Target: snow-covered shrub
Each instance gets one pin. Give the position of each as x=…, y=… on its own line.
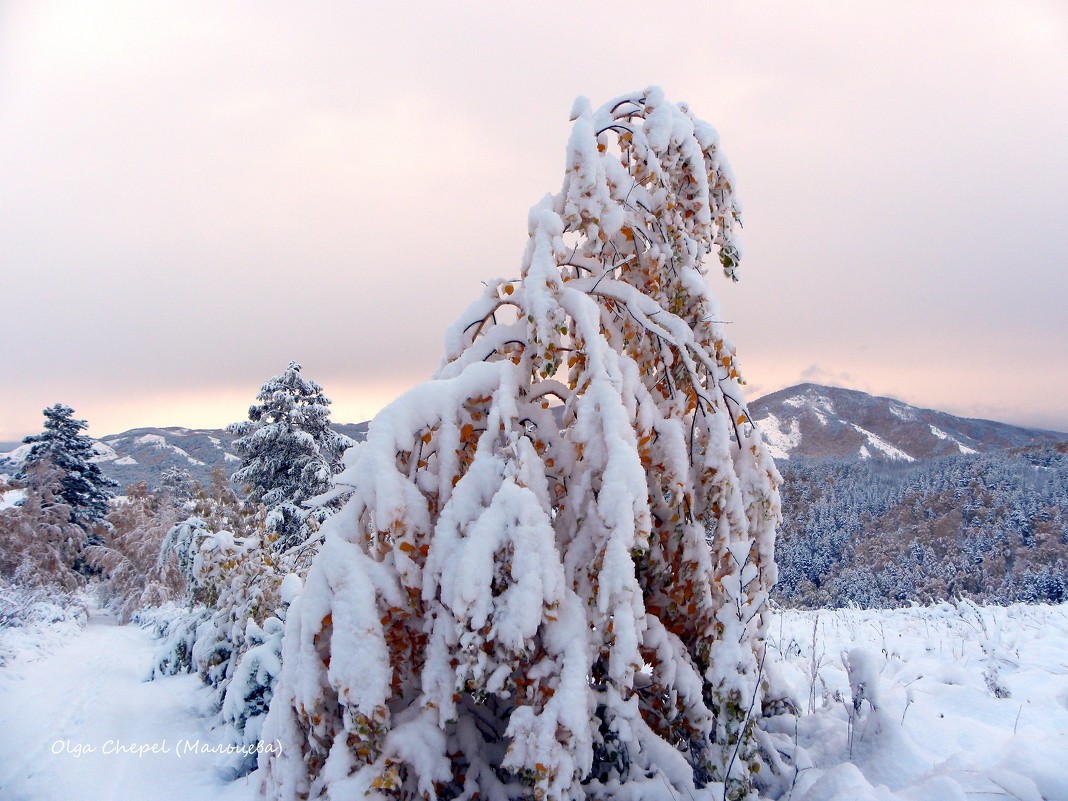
x=33, y=618
x=215, y=508
x=128, y=556
x=40, y=545
x=181, y=545
x=22, y=605
x=240, y=586
x=175, y=654
x=550, y=579
x=249, y=692
x=219, y=507
x=248, y=695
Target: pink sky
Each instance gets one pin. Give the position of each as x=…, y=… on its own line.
x=192, y=194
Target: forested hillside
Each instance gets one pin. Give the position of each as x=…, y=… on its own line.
x=992, y=526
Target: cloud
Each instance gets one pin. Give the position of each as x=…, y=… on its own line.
x=818, y=375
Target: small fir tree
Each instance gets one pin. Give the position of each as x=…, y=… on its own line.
x=289, y=454
x=551, y=577
x=179, y=484
x=81, y=484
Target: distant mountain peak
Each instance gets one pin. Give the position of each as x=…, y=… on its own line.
x=818, y=421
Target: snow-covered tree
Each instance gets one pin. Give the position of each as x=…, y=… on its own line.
x=179, y=484
x=550, y=579
x=231, y=581
x=82, y=486
x=238, y=582
x=216, y=510
x=248, y=694
x=289, y=453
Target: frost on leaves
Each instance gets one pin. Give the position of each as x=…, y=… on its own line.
x=550, y=578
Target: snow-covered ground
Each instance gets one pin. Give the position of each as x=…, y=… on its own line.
x=11, y=498
x=956, y=703
x=963, y=702
x=81, y=723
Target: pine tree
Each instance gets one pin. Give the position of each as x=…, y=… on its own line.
x=289, y=453
x=82, y=486
x=550, y=579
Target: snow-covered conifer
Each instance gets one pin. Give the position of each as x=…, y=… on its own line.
x=82, y=486
x=289, y=453
x=179, y=484
x=550, y=579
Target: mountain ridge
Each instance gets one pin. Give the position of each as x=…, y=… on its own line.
x=825, y=422
x=142, y=454
x=806, y=420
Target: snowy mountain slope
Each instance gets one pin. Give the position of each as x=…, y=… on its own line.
x=142, y=454
x=831, y=422
x=805, y=420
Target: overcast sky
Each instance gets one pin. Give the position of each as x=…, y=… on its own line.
x=194, y=193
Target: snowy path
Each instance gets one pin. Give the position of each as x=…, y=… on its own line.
x=72, y=722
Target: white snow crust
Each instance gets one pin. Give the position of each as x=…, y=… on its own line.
x=922, y=686
x=104, y=452
x=882, y=445
x=11, y=498
x=780, y=442
x=945, y=435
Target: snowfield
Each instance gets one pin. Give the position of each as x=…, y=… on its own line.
x=958, y=702
x=945, y=703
